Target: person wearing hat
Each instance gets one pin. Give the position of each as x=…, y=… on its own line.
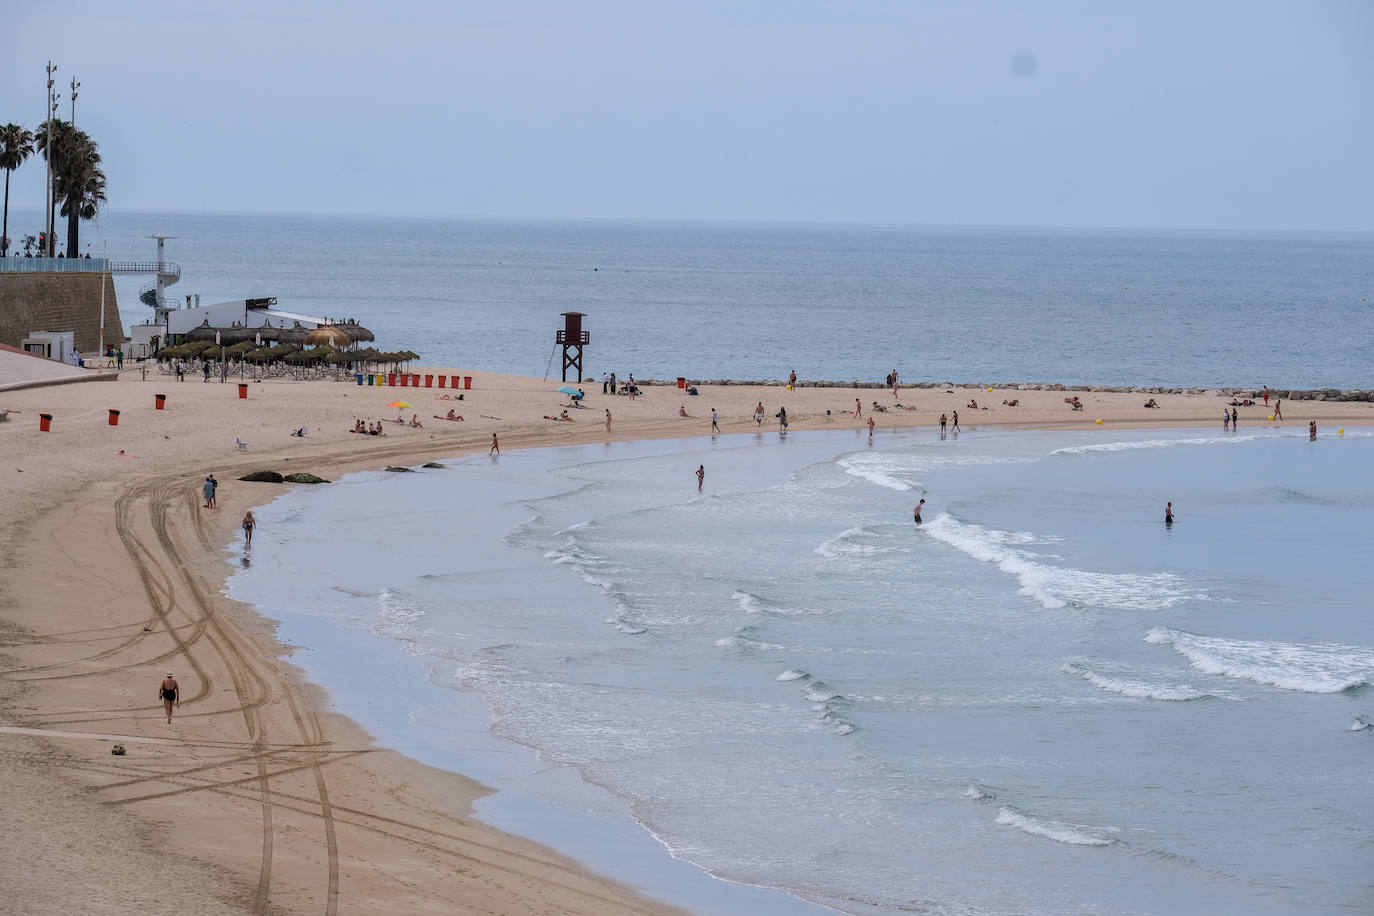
x=170, y=693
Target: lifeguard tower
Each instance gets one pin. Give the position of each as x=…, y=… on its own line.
x=572, y=339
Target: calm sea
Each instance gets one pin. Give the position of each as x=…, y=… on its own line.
x=1041, y=700
x=754, y=301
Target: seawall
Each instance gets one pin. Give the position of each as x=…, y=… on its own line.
x=58, y=302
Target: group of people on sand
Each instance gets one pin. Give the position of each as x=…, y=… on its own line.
x=367, y=429
x=561, y=418
x=609, y=385
x=1074, y=402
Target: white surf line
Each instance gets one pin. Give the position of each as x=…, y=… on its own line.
x=52, y=733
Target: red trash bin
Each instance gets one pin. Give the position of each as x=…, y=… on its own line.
x=681, y=382
x=454, y=383
x=114, y=417
x=429, y=381
x=467, y=381
x=161, y=402
x=391, y=379
x=415, y=381
x=44, y=422
x=243, y=389
x=442, y=379
x=405, y=380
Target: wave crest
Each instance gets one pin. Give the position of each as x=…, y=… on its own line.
x=1307, y=667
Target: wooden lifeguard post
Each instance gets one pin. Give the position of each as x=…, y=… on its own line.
x=572, y=339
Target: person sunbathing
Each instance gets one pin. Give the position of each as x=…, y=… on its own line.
x=1012, y=403
x=879, y=408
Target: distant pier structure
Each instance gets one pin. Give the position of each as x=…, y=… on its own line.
x=572, y=339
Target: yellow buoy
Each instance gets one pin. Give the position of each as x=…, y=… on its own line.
x=1341, y=431
x=989, y=391
x=1099, y=422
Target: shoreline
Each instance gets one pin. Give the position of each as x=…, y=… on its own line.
x=270, y=800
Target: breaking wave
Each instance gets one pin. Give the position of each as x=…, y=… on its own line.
x=1069, y=834
x=1136, y=689
x=1056, y=586
x=1308, y=667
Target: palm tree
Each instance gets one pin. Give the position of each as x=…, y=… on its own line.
x=16, y=145
x=82, y=185
x=78, y=180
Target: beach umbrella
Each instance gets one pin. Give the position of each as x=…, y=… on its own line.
x=400, y=405
x=202, y=331
x=328, y=334
x=569, y=390
x=241, y=347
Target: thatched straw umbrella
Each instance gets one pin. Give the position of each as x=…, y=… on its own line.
x=357, y=332
x=330, y=335
x=202, y=331
x=240, y=348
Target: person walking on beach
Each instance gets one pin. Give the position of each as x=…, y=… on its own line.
x=943, y=420
x=1235, y=419
x=870, y=428
x=858, y=409
x=181, y=370
x=1278, y=408
x=1169, y=514
x=1312, y=431
x=918, y=511
x=701, y=476
x=495, y=446
x=782, y=418
x=208, y=491
x=249, y=523
x=605, y=383
x=758, y=414
x=612, y=383
x=1266, y=395
x=894, y=384
x=792, y=379
x=608, y=419
x=954, y=423
x=214, y=492
x=119, y=358
x=715, y=427
x=1225, y=420
x=169, y=693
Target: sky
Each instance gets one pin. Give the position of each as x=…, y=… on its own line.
x=1192, y=115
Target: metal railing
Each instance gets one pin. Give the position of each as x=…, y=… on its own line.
x=23, y=265
x=170, y=271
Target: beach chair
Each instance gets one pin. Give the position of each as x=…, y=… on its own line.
x=242, y=446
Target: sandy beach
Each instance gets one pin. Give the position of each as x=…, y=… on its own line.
x=257, y=798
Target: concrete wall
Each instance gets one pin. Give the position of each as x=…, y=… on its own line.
x=58, y=302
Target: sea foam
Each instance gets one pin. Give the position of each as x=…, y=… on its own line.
x=1308, y=667
x=1056, y=586
x=1069, y=834
x=1136, y=689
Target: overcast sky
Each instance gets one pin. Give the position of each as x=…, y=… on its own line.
x=1246, y=115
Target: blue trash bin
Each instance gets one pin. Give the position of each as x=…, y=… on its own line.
x=359, y=377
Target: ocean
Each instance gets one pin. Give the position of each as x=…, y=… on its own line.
x=1040, y=700
x=833, y=302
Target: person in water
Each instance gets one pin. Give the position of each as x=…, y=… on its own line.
x=701, y=476
x=918, y=511
x=1169, y=514
x=170, y=693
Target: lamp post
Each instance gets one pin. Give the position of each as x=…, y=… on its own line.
x=49, y=108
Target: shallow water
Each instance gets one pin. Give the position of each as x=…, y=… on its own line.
x=1040, y=700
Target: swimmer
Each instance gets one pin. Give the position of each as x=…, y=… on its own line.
x=918, y=511
x=1169, y=514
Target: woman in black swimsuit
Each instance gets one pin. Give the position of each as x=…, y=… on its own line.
x=170, y=693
